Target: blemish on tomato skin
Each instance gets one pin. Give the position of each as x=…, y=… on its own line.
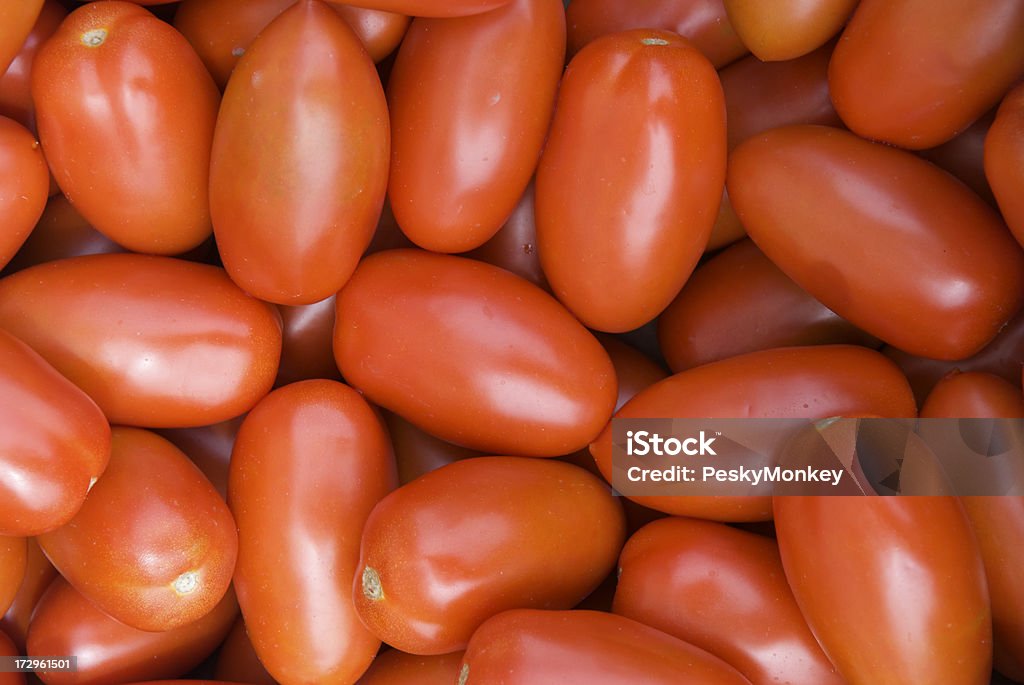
x=463, y=675
x=372, y=589
x=94, y=38
x=186, y=583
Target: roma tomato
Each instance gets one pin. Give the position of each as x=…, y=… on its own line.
x=916, y=73
x=974, y=394
x=209, y=448
x=125, y=111
x=418, y=452
x=398, y=668
x=8, y=648
x=310, y=462
x=54, y=442
x=622, y=223
x=154, y=545
x=293, y=214
x=13, y=553
x=39, y=573
x=786, y=30
x=24, y=186
x=585, y=648
x=790, y=382
x=15, y=92
x=514, y=246
x=307, y=343
x=893, y=587
x=964, y=157
x=237, y=661
x=154, y=341
x=1004, y=160
x=838, y=214
x=521, y=376
x=444, y=553
x=722, y=590
x=469, y=120
x=61, y=232
x=16, y=20
x=431, y=8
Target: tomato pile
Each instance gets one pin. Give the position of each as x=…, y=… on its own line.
x=314, y=317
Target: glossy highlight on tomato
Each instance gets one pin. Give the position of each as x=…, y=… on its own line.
x=1004, y=159
x=15, y=89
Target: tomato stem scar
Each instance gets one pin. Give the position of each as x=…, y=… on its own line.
x=654, y=41
x=94, y=37
x=463, y=675
x=186, y=582
x=372, y=589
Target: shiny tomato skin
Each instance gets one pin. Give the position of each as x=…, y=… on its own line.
x=621, y=224
x=431, y=8
x=237, y=660
x=16, y=20
x=54, y=442
x=893, y=587
x=812, y=196
x=1004, y=159
x=156, y=342
x=154, y=545
x=786, y=30
x=13, y=555
x=15, y=92
x=65, y=622
x=790, y=382
x=309, y=463
x=522, y=376
x=974, y=394
x=585, y=648
x=24, y=186
x=444, y=553
x=723, y=590
x=514, y=246
x=398, y=668
x=916, y=73
x=125, y=111
x=39, y=573
x=469, y=120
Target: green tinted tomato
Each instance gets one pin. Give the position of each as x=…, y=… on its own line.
x=61, y=232
x=894, y=76
x=738, y=302
x=469, y=120
x=964, y=157
x=306, y=348
x=24, y=186
x=398, y=668
x=585, y=648
x=722, y=590
x=237, y=660
x=786, y=30
x=12, y=568
x=1004, y=159
x=812, y=196
x=620, y=225
x=521, y=375
x=54, y=442
x=126, y=112
x=893, y=587
x=418, y=452
x=431, y=8
x=16, y=20
x=702, y=21
x=444, y=553
x=108, y=651
x=998, y=523
x=15, y=95
x=39, y=573
x=209, y=448
x=514, y=246
x=790, y=382
x=973, y=394
x=154, y=545
x=310, y=462
x=293, y=215
x=154, y=341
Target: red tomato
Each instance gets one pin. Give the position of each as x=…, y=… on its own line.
x=398, y=668
x=722, y=590
x=8, y=648
x=418, y=452
x=154, y=341
x=621, y=224
x=469, y=120
x=237, y=660
x=839, y=214
x=307, y=346
x=125, y=112
x=893, y=587
x=792, y=382
x=379, y=32
x=964, y=157
x=290, y=230
x=16, y=20
x=39, y=573
x=585, y=648
x=12, y=568
x=24, y=186
x=65, y=622
x=786, y=30
x=974, y=394
x=154, y=545
x=54, y=442
x=209, y=448
x=444, y=553
x=431, y=8
x=514, y=246
x=310, y=462
x=521, y=375
x=15, y=95
x=916, y=73
x=1004, y=160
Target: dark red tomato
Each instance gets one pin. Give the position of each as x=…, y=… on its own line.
x=108, y=651
x=16, y=20
x=790, y=382
x=209, y=448
x=469, y=120
x=812, y=196
x=514, y=246
x=398, y=668
x=24, y=186
x=418, y=452
x=787, y=30
x=999, y=526
x=739, y=302
x=154, y=341
x=39, y=573
x=1004, y=160
x=387, y=236
x=521, y=375
x=444, y=553
x=15, y=94
x=8, y=648
x=237, y=660
x=893, y=76
x=702, y=21
x=291, y=231
x=126, y=111
x=13, y=554
x=974, y=394
x=54, y=442
x=307, y=347
x=964, y=157
x=585, y=648
x=154, y=545
x=310, y=462
x=893, y=587
x=431, y=8
x=634, y=370
x=621, y=224
x=722, y=590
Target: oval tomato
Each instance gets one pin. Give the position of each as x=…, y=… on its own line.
x=307, y=344
x=893, y=587
x=521, y=376
x=237, y=661
x=61, y=232
x=9, y=649
x=16, y=20
x=621, y=224
x=15, y=93
x=24, y=186
x=444, y=553
x=154, y=341
x=398, y=668
x=13, y=553
x=786, y=30
x=418, y=452
x=431, y=8
x=973, y=394
x=39, y=573
x=839, y=214
x=154, y=545
x=514, y=246
x=310, y=462
x=209, y=448
x=126, y=111
x=1004, y=160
